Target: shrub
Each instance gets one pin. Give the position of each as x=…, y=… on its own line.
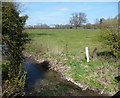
x=111, y=39
x=14, y=38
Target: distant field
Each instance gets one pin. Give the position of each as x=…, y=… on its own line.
x=56, y=39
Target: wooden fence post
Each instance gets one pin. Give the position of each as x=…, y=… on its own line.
x=95, y=54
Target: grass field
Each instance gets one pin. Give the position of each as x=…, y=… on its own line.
x=56, y=40
x=95, y=74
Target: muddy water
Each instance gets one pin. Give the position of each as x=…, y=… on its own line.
x=44, y=82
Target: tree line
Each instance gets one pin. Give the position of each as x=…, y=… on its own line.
x=79, y=20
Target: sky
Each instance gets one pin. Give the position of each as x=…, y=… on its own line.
x=60, y=12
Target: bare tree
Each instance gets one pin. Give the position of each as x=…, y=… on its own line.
x=77, y=19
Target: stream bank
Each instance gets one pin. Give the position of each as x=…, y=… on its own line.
x=60, y=69
x=44, y=82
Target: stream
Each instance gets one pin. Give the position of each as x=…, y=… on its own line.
x=43, y=82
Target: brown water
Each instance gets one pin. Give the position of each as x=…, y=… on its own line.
x=44, y=82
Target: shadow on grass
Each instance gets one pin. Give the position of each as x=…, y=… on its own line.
x=117, y=78
x=45, y=64
x=43, y=34
x=28, y=40
x=106, y=53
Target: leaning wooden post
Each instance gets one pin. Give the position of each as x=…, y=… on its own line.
x=94, y=54
x=87, y=54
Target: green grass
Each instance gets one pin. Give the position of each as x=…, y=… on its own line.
x=53, y=42
x=56, y=40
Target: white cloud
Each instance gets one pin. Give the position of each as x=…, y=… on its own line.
x=64, y=9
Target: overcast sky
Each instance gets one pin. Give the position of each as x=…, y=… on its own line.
x=60, y=12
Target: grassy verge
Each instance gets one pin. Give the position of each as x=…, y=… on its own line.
x=67, y=46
